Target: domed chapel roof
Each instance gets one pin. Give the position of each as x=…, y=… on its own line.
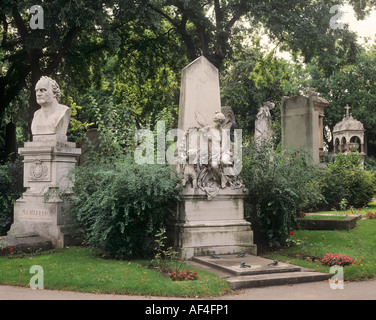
x=348, y=123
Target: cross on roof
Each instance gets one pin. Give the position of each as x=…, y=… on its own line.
x=347, y=110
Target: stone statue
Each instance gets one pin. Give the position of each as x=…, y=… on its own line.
x=263, y=132
x=230, y=121
x=189, y=170
x=52, y=117
x=215, y=152
x=48, y=159
x=208, y=174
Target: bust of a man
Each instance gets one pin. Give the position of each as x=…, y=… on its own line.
x=52, y=117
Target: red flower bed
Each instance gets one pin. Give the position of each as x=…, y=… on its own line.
x=331, y=259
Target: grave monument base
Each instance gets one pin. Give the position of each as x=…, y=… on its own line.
x=204, y=227
x=47, y=161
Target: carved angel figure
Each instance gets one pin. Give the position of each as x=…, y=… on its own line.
x=213, y=154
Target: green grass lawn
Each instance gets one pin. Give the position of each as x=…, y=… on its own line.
x=81, y=269
x=358, y=243
x=371, y=206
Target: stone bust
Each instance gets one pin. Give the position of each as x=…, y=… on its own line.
x=52, y=117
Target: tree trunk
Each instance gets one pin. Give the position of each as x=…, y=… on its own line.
x=35, y=76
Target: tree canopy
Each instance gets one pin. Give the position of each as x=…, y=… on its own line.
x=132, y=51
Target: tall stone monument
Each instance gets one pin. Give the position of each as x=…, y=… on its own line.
x=47, y=160
x=210, y=218
x=302, y=123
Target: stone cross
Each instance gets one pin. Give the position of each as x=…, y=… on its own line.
x=347, y=110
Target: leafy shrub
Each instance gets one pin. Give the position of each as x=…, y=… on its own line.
x=281, y=184
x=166, y=259
x=11, y=188
x=344, y=180
x=120, y=207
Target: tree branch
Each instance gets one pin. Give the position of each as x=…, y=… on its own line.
x=218, y=13
x=181, y=29
x=22, y=30
x=5, y=31
x=241, y=9
x=165, y=15
x=63, y=48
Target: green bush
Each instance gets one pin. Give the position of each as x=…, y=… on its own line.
x=344, y=179
x=281, y=184
x=120, y=207
x=11, y=188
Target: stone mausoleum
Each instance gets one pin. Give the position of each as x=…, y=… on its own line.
x=348, y=135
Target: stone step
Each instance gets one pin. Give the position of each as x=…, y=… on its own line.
x=275, y=279
x=258, y=273
x=232, y=265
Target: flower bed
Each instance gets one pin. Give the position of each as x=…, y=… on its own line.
x=181, y=276
x=331, y=259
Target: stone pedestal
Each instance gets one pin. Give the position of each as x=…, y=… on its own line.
x=217, y=226
x=47, y=161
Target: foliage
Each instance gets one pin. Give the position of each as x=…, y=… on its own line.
x=11, y=188
x=211, y=28
x=345, y=182
x=6, y=200
x=147, y=43
x=331, y=259
x=251, y=78
x=120, y=207
x=71, y=43
x=116, y=126
x=281, y=184
x=165, y=259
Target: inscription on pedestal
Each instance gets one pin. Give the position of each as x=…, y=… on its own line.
x=35, y=215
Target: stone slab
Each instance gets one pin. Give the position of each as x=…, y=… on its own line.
x=25, y=243
x=259, y=265
x=329, y=224
x=259, y=274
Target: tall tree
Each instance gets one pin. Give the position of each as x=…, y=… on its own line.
x=76, y=29
x=70, y=29
x=208, y=27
